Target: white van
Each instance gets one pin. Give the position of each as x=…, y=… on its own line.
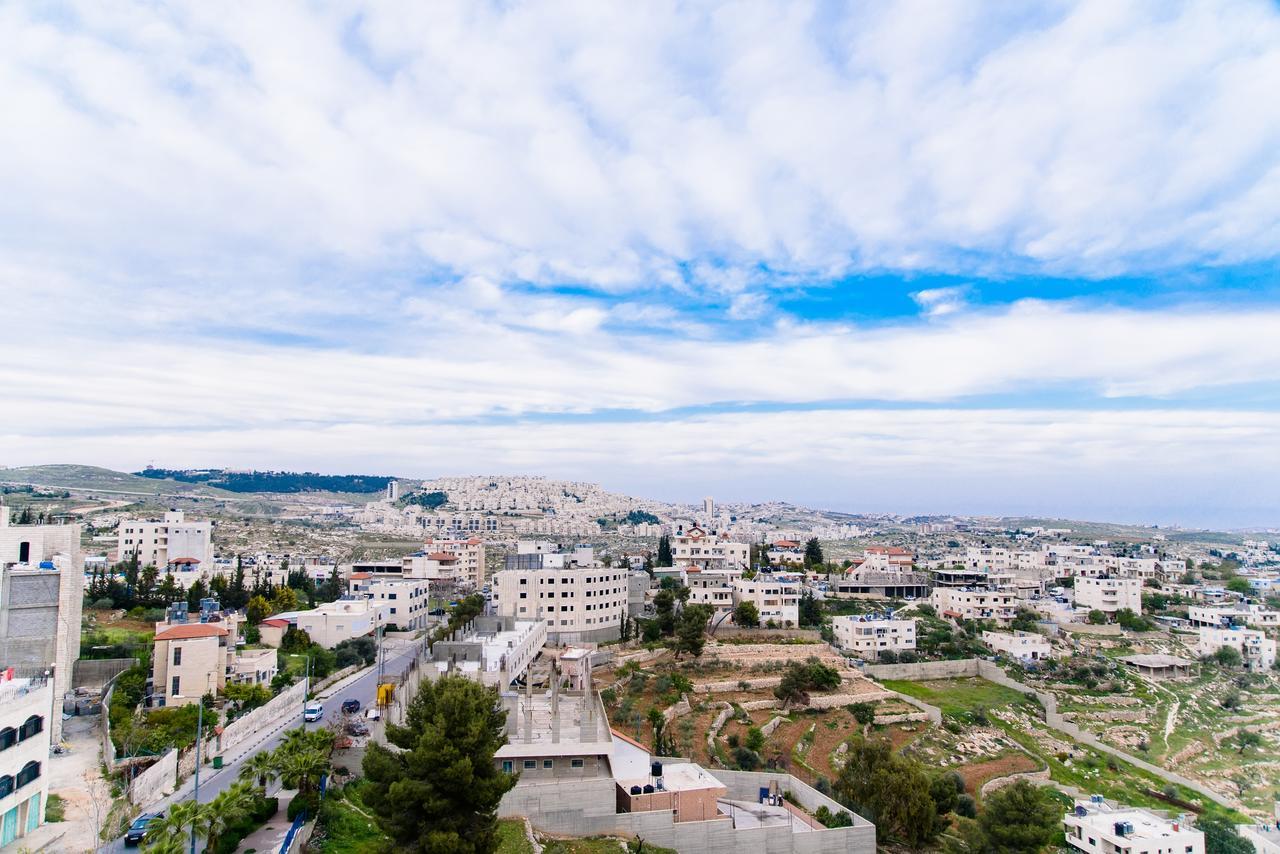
x=313, y=712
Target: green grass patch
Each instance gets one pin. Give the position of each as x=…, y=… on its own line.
x=958, y=697
x=511, y=838
x=344, y=828
x=55, y=809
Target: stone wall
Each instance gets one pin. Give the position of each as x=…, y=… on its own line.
x=922, y=670
x=156, y=782
x=767, y=634
x=286, y=704
x=95, y=672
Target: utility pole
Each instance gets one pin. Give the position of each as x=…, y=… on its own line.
x=196, y=795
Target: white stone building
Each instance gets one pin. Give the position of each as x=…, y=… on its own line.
x=406, y=598
x=975, y=603
x=1108, y=595
x=332, y=623
x=159, y=541
x=25, y=728
x=1256, y=649
x=580, y=600
x=867, y=635
x=696, y=547
x=777, y=600
x=1099, y=828
x=1024, y=646
x=491, y=650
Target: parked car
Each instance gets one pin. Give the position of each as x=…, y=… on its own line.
x=138, y=830
x=372, y=714
x=350, y=707
x=313, y=712
x=357, y=728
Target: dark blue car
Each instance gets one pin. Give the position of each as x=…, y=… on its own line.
x=138, y=830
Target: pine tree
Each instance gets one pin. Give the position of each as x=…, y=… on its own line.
x=664, y=551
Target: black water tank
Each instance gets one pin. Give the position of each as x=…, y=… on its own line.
x=648, y=790
x=636, y=790
x=655, y=770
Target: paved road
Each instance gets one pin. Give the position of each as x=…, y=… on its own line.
x=360, y=688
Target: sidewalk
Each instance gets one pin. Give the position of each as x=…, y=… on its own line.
x=268, y=838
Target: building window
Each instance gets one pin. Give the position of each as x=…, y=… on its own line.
x=29, y=772
x=173, y=691
x=6, y=786
x=548, y=763
x=530, y=764
x=8, y=737
x=30, y=727
x=575, y=763
x=508, y=766
x=177, y=656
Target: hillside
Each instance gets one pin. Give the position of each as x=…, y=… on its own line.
x=97, y=479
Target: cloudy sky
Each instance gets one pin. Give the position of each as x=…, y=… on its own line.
x=917, y=257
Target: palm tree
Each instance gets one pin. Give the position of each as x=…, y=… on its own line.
x=261, y=767
x=166, y=846
x=226, y=809
x=174, y=826
x=304, y=768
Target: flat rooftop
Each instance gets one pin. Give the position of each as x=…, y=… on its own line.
x=678, y=777
x=1149, y=659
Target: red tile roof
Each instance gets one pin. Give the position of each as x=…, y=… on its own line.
x=195, y=630
x=186, y=560
x=442, y=556
x=279, y=624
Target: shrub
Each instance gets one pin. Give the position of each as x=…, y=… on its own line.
x=966, y=806
x=309, y=802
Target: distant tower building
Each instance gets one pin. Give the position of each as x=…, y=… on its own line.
x=709, y=507
x=393, y=490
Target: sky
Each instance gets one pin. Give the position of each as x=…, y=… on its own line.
x=915, y=257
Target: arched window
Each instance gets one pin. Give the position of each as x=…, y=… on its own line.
x=8, y=737
x=29, y=772
x=30, y=727
x=6, y=785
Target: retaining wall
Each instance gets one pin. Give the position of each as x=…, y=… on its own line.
x=286, y=704
x=95, y=672
x=156, y=782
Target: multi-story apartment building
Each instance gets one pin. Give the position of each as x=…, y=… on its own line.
x=1096, y=827
x=777, y=600
x=160, y=541
x=1245, y=614
x=41, y=593
x=697, y=548
x=975, y=603
x=331, y=623
x=580, y=600
x=880, y=584
x=1024, y=646
x=867, y=635
x=1256, y=649
x=886, y=559
x=468, y=554
x=188, y=661
x=25, y=718
x=406, y=598
x=715, y=588
x=1109, y=595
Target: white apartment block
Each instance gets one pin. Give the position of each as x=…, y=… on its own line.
x=867, y=635
x=714, y=588
x=580, y=600
x=468, y=554
x=975, y=603
x=1257, y=650
x=1024, y=646
x=406, y=598
x=695, y=548
x=25, y=731
x=332, y=623
x=1108, y=595
x=1213, y=616
x=159, y=541
x=1098, y=828
x=886, y=559
x=777, y=601
x=41, y=593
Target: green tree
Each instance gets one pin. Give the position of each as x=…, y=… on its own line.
x=863, y=713
x=174, y=827
x=1096, y=617
x=1240, y=585
x=664, y=551
x=261, y=768
x=664, y=604
x=813, y=552
x=1019, y=819
x=228, y=808
x=1220, y=836
x=755, y=739
x=285, y=599
x=257, y=610
x=810, y=610
x=892, y=788
x=746, y=614
x=1228, y=656
x=440, y=793
x=690, y=628
x=1246, y=739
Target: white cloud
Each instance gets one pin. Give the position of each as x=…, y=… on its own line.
x=609, y=143
x=939, y=302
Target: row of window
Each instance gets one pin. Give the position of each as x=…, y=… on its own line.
x=29, y=773
x=508, y=765
x=31, y=726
